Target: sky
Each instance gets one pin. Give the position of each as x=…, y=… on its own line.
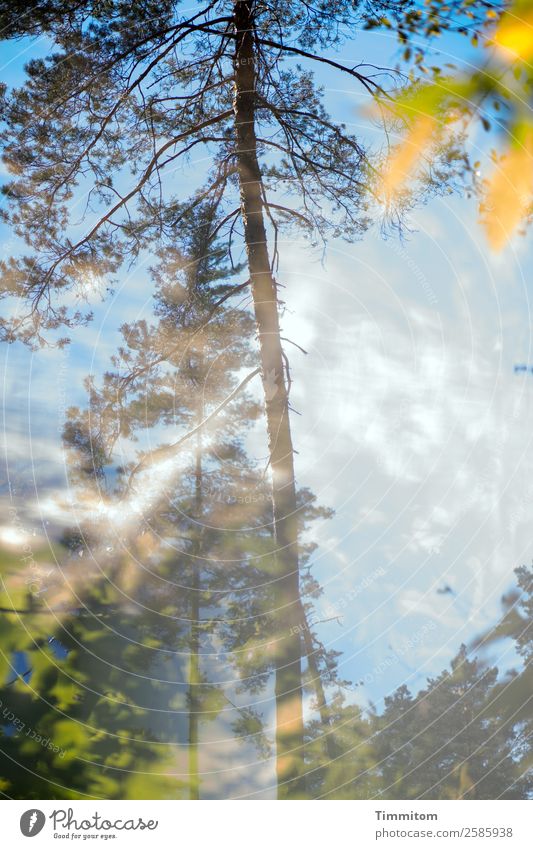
x=414, y=425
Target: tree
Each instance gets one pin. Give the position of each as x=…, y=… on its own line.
x=172, y=372
x=129, y=92
x=215, y=503
x=348, y=770
x=512, y=696
x=494, y=89
x=447, y=742
x=71, y=725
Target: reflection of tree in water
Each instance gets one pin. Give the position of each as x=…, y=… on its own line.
x=174, y=593
x=172, y=574
x=163, y=626
x=466, y=735
x=159, y=653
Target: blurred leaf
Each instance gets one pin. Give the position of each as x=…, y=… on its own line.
x=510, y=192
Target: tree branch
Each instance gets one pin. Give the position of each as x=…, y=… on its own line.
x=148, y=171
x=170, y=450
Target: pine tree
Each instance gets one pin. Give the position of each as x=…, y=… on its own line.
x=131, y=91
x=172, y=373
x=446, y=742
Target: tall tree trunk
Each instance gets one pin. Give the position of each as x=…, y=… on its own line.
x=288, y=684
x=194, y=646
x=311, y=652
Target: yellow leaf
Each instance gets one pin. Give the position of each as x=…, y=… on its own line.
x=509, y=194
x=514, y=36
x=402, y=162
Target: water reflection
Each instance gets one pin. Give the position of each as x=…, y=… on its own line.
x=139, y=640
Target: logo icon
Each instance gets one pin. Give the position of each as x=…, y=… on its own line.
x=32, y=822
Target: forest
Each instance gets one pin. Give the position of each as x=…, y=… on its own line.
x=267, y=376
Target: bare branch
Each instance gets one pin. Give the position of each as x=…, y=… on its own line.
x=290, y=211
x=124, y=200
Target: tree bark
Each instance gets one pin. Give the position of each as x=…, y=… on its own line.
x=287, y=650
x=320, y=695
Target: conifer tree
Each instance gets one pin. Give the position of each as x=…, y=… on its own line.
x=129, y=93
